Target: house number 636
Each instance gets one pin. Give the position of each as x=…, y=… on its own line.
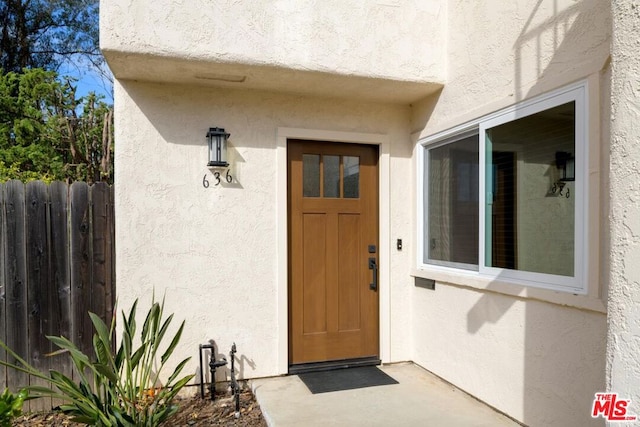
x=218, y=179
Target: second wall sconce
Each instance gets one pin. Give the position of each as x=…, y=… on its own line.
x=566, y=164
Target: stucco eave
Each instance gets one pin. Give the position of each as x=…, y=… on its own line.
x=195, y=71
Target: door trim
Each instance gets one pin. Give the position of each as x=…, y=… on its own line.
x=383, y=141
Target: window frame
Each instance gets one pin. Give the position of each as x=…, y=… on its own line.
x=576, y=284
x=426, y=236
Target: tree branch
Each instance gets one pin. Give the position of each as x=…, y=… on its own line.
x=107, y=142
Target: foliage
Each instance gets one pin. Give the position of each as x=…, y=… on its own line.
x=120, y=388
x=11, y=406
x=47, y=133
x=45, y=33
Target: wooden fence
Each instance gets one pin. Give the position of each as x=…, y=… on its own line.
x=56, y=265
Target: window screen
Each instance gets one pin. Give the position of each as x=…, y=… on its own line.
x=452, y=203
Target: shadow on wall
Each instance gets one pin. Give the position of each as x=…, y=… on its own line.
x=182, y=114
x=560, y=350
x=422, y=111
x=488, y=310
x=566, y=30
x=223, y=371
x=555, y=351
x=558, y=347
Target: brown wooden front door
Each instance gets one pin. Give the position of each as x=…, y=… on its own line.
x=333, y=238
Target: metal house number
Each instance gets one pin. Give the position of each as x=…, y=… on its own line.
x=559, y=189
x=217, y=176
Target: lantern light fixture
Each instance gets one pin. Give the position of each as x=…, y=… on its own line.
x=566, y=164
x=217, y=141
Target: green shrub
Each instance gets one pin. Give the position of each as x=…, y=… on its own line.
x=119, y=388
x=11, y=406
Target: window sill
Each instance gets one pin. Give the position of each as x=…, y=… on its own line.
x=473, y=280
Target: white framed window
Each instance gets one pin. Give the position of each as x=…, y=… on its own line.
x=451, y=201
x=505, y=196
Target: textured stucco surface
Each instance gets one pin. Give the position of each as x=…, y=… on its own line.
x=213, y=250
x=536, y=47
x=398, y=43
x=538, y=361
x=623, y=347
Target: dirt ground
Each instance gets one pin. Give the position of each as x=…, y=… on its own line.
x=193, y=412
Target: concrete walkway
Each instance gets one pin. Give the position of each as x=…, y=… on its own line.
x=420, y=399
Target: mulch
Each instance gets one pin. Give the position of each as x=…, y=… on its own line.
x=194, y=412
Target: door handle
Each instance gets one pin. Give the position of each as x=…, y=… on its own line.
x=373, y=266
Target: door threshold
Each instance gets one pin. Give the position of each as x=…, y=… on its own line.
x=302, y=368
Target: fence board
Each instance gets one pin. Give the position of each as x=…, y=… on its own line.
x=79, y=229
x=38, y=288
x=3, y=286
x=100, y=274
x=111, y=298
x=56, y=264
x=60, y=311
x=16, y=273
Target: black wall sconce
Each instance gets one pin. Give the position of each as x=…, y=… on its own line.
x=566, y=164
x=217, y=141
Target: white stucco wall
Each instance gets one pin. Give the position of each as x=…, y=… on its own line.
x=537, y=355
x=217, y=253
x=623, y=347
x=284, y=44
x=535, y=361
x=214, y=251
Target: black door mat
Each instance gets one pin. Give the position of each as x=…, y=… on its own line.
x=345, y=379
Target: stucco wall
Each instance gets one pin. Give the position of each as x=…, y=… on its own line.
x=214, y=251
x=500, y=53
x=537, y=362
x=257, y=41
x=623, y=352
x=537, y=355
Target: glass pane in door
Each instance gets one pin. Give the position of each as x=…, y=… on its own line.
x=311, y=175
x=351, y=177
x=331, y=176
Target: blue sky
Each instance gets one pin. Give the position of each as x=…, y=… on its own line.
x=89, y=80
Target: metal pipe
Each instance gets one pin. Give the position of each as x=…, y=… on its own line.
x=202, y=348
x=234, y=382
x=213, y=365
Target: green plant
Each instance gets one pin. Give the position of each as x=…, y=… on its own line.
x=11, y=406
x=121, y=388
